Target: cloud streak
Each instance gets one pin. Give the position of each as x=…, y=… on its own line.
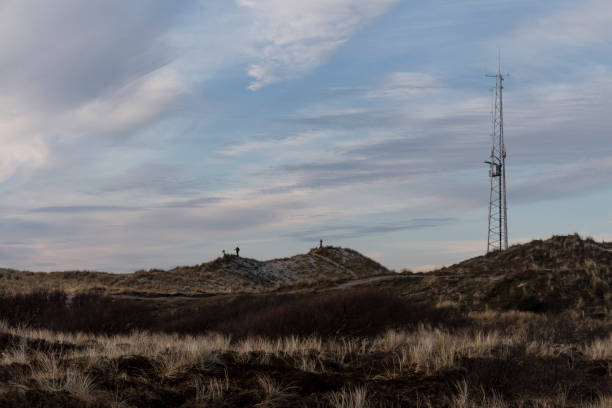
x=73, y=209
x=296, y=37
x=341, y=232
x=587, y=23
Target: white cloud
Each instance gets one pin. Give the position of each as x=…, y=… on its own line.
x=74, y=69
x=25, y=133
x=586, y=23
x=583, y=24
x=132, y=105
x=19, y=154
x=295, y=37
x=274, y=147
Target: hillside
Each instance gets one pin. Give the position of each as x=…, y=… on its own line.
x=559, y=253
x=560, y=273
x=222, y=275
x=339, y=347
x=388, y=343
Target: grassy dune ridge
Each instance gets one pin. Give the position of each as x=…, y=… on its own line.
x=226, y=274
x=543, y=276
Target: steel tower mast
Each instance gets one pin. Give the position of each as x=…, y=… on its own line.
x=498, y=216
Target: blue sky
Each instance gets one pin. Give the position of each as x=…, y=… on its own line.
x=157, y=133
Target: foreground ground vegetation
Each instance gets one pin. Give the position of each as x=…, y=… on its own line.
x=351, y=348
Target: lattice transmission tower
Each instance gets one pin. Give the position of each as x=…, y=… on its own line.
x=498, y=215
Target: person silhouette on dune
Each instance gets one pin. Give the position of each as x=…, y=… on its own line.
x=237, y=251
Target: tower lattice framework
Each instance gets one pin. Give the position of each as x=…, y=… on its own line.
x=498, y=215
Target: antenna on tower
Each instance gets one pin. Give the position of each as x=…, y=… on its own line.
x=498, y=216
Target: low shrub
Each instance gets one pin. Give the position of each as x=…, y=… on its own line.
x=357, y=312
x=87, y=312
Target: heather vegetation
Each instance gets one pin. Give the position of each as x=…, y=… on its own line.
x=357, y=312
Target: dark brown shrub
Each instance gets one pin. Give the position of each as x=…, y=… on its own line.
x=88, y=312
x=362, y=312
x=359, y=312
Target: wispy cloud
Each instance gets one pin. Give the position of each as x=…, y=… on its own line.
x=156, y=178
x=563, y=181
x=339, y=232
x=74, y=69
x=296, y=37
x=194, y=203
x=133, y=105
x=406, y=85
x=344, y=119
x=72, y=209
x=578, y=24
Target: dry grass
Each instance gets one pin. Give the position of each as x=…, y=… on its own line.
x=466, y=398
x=356, y=397
x=603, y=402
x=51, y=374
x=74, y=362
x=429, y=350
x=600, y=349
x=272, y=392
x=463, y=398
x=15, y=355
x=211, y=390
x=425, y=349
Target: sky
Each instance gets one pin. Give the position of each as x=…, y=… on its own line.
x=155, y=133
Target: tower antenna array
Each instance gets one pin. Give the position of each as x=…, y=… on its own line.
x=498, y=216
